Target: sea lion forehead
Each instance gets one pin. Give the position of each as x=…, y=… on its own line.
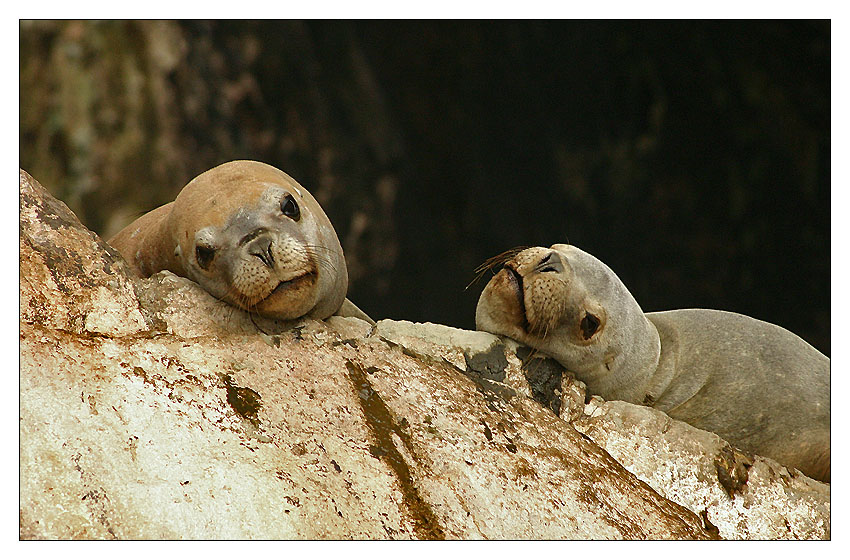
x=273, y=193
x=571, y=252
x=584, y=264
x=242, y=175
x=260, y=176
x=221, y=192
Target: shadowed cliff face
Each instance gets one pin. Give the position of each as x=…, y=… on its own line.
x=693, y=158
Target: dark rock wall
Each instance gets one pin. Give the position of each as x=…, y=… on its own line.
x=692, y=157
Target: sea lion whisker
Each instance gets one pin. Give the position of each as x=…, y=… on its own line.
x=534, y=352
x=315, y=252
x=533, y=361
x=527, y=359
x=500, y=259
x=493, y=262
x=555, y=318
x=240, y=300
x=475, y=279
x=537, y=364
x=322, y=247
x=258, y=327
x=322, y=259
x=218, y=298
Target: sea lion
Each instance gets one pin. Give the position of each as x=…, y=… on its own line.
x=756, y=385
x=251, y=236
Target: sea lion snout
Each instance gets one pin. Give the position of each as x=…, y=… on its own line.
x=518, y=300
x=534, y=260
x=260, y=245
x=513, y=283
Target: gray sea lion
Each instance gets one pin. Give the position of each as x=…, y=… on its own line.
x=250, y=235
x=757, y=385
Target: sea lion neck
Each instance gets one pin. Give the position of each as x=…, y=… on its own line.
x=629, y=363
x=620, y=361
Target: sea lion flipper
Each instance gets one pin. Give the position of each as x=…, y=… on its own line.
x=348, y=309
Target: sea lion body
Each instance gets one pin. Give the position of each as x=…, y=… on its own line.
x=757, y=385
x=250, y=235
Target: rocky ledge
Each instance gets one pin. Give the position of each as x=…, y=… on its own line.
x=149, y=410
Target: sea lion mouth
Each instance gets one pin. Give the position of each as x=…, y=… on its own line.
x=287, y=284
x=515, y=281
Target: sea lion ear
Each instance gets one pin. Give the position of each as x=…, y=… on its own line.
x=589, y=325
x=204, y=255
x=591, y=321
x=204, y=248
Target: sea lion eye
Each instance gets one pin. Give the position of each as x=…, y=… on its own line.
x=550, y=263
x=204, y=255
x=589, y=325
x=290, y=208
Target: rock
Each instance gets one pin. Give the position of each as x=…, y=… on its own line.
x=349, y=327
x=70, y=279
x=456, y=346
x=149, y=410
x=744, y=497
x=165, y=297
x=495, y=362
x=738, y=497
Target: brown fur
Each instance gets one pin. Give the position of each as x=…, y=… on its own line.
x=235, y=213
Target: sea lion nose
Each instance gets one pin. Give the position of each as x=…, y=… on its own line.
x=550, y=263
x=261, y=247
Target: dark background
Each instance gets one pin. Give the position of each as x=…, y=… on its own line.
x=692, y=157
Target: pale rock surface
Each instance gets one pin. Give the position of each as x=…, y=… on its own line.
x=744, y=497
x=74, y=281
x=149, y=410
x=737, y=496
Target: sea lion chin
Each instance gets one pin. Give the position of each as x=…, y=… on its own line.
x=757, y=385
x=251, y=236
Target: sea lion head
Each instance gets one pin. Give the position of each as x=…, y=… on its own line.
x=571, y=306
x=250, y=235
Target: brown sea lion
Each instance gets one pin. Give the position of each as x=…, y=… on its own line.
x=250, y=235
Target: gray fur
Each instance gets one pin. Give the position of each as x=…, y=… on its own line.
x=757, y=385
